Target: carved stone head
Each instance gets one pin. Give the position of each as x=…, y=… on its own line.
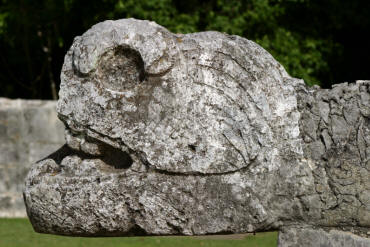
x=183, y=134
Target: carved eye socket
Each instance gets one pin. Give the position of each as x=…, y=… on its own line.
x=120, y=69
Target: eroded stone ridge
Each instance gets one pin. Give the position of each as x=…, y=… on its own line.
x=335, y=128
x=194, y=134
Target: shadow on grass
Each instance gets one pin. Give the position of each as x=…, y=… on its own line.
x=19, y=233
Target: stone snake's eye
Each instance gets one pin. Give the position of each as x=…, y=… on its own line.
x=120, y=68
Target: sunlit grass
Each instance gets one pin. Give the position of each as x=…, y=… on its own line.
x=19, y=232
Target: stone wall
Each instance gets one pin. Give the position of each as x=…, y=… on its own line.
x=29, y=131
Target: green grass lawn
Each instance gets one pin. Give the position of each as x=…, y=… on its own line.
x=19, y=232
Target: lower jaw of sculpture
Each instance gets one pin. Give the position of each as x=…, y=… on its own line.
x=81, y=196
x=85, y=196
x=73, y=193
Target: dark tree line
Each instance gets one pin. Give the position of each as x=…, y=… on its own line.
x=324, y=42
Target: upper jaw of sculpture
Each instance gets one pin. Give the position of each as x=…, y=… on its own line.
x=173, y=134
x=139, y=91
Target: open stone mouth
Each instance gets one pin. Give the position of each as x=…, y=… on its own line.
x=87, y=160
x=90, y=148
x=112, y=159
x=109, y=159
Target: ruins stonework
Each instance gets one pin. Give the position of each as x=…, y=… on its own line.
x=201, y=133
x=29, y=131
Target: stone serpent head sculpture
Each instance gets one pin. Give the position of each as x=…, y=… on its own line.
x=200, y=133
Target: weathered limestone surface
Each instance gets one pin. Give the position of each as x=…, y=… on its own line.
x=29, y=130
x=293, y=237
x=200, y=133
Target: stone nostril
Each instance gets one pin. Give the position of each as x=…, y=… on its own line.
x=120, y=68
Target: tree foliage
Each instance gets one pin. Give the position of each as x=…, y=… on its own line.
x=322, y=42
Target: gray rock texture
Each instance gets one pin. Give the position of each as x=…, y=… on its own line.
x=293, y=237
x=200, y=133
x=29, y=130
